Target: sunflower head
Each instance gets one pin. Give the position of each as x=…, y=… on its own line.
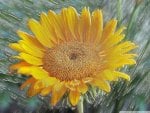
x=68, y=51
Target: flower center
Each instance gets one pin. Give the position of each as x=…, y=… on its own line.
x=73, y=56
x=72, y=60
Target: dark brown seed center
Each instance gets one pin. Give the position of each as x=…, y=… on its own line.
x=73, y=56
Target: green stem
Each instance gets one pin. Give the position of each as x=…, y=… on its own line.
x=116, y=107
x=80, y=106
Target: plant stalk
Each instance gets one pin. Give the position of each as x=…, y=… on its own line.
x=80, y=108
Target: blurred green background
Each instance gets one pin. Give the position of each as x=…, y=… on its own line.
x=126, y=96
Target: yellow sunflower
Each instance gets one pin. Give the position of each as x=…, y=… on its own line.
x=69, y=51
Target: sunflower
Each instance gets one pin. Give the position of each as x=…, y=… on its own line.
x=68, y=52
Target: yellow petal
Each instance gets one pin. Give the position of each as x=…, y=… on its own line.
x=121, y=63
x=70, y=21
x=109, y=29
x=39, y=73
x=25, y=70
x=30, y=40
x=31, y=50
x=48, y=28
x=101, y=84
x=57, y=26
x=96, y=26
x=49, y=81
x=120, y=30
x=72, y=84
x=32, y=91
x=57, y=92
x=31, y=59
x=19, y=65
x=113, y=75
x=16, y=47
x=39, y=33
x=123, y=47
x=82, y=88
x=109, y=75
x=27, y=82
x=75, y=82
x=127, y=46
x=84, y=24
x=24, y=46
x=130, y=55
x=114, y=40
x=122, y=75
x=36, y=72
x=38, y=85
x=74, y=97
x=87, y=79
x=46, y=91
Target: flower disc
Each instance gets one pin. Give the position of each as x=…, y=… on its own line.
x=72, y=61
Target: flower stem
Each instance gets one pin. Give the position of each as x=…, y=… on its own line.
x=80, y=106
